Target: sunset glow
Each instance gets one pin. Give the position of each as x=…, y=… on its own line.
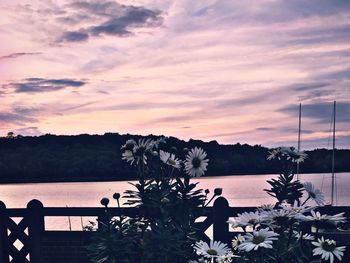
x=231, y=71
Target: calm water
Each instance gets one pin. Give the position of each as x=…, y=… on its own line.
x=244, y=190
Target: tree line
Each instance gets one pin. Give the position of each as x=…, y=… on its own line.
x=53, y=158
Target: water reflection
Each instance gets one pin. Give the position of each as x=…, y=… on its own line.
x=244, y=190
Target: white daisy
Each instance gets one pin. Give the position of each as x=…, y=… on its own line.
x=128, y=156
x=314, y=193
x=160, y=140
x=266, y=207
x=215, y=249
x=239, y=239
x=328, y=249
x=316, y=217
x=279, y=216
x=259, y=239
x=296, y=156
x=337, y=218
x=196, y=164
x=289, y=153
x=286, y=150
x=247, y=219
x=275, y=154
x=306, y=236
x=169, y=159
x=279, y=153
x=295, y=207
x=226, y=258
x=137, y=152
x=295, y=211
x=129, y=144
x=300, y=217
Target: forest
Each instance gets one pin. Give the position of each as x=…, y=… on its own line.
x=53, y=158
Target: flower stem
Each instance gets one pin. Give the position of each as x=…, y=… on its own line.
x=305, y=201
x=290, y=234
x=261, y=256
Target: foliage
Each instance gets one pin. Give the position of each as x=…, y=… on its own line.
x=282, y=232
x=164, y=230
x=115, y=242
x=285, y=188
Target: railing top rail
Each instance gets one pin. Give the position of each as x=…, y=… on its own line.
x=14, y=212
x=69, y=211
x=80, y=211
x=97, y=211
x=87, y=211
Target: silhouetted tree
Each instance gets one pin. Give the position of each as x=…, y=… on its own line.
x=10, y=135
x=98, y=157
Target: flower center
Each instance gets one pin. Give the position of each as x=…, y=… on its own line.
x=196, y=162
x=212, y=252
x=252, y=221
x=129, y=146
x=328, y=246
x=281, y=219
x=258, y=239
x=172, y=162
x=140, y=150
x=239, y=240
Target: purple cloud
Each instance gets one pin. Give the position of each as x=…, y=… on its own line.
x=35, y=85
x=321, y=112
x=19, y=54
x=116, y=20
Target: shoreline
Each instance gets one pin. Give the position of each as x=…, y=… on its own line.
x=102, y=180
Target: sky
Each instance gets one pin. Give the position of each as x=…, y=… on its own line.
x=224, y=70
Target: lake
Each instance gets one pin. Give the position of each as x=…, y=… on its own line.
x=245, y=190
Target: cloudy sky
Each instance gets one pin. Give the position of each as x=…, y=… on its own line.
x=231, y=71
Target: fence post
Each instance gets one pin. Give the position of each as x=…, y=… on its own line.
x=220, y=217
x=3, y=234
x=36, y=226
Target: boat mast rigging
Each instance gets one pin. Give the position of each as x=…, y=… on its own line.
x=299, y=131
x=333, y=155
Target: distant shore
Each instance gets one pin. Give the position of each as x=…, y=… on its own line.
x=97, y=158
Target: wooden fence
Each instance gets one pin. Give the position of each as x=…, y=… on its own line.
x=24, y=239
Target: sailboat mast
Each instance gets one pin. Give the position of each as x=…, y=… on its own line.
x=299, y=130
x=333, y=154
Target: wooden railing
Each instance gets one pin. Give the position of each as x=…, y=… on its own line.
x=26, y=226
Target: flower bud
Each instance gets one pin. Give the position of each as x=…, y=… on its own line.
x=218, y=191
x=116, y=196
x=104, y=201
x=165, y=200
x=173, y=150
